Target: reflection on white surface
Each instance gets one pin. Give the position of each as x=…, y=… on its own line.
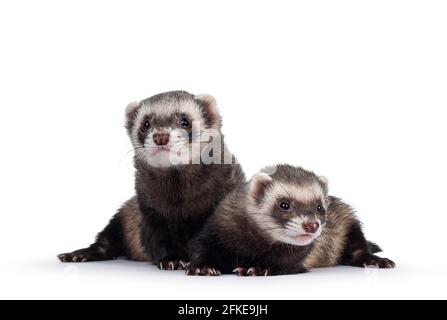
x=139, y=280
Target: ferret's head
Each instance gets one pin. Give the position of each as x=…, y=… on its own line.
x=290, y=204
x=163, y=127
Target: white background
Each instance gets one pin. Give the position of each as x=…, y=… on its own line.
x=354, y=90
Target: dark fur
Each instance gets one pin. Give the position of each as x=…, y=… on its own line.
x=170, y=206
x=231, y=240
x=342, y=241
x=176, y=203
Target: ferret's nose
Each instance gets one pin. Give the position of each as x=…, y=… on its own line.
x=161, y=139
x=311, y=227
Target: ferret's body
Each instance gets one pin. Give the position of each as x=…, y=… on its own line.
x=332, y=247
x=172, y=201
x=232, y=242
x=250, y=235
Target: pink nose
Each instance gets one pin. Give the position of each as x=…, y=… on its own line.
x=161, y=139
x=310, y=227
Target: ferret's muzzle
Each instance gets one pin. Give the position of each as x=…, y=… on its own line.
x=310, y=226
x=161, y=138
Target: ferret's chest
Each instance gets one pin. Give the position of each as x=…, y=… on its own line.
x=178, y=197
x=286, y=255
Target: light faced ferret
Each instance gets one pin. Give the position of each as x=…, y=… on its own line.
x=173, y=197
x=280, y=223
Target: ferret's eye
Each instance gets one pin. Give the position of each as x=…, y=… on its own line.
x=284, y=206
x=184, y=123
x=146, y=125
x=320, y=209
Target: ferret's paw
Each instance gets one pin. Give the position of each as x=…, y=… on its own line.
x=202, y=271
x=378, y=262
x=166, y=264
x=252, y=272
x=74, y=257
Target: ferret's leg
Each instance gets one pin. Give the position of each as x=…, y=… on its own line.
x=207, y=257
x=108, y=245
x=163, y=243
x=358, y=251
x=202, y=264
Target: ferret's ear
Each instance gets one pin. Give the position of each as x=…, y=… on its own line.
x=325, y=183
x=131, y=112
x=258, y=185
x=209, y=108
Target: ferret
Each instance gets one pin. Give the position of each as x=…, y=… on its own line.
x=176, y=189
x=281, y=222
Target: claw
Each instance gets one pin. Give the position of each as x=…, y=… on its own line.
x=252, y=271
x=213, y=272
x=237, y=270
x=370, y=265
x=202, y=271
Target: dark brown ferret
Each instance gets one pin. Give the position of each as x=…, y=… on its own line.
x=282, y=222
x=180, y=179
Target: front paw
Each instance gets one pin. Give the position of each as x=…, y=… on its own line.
x=81, y=255
x=72, y=257
x=379, y=262
x=371, y=260
x=166, y=264
x=202, y=271
x=252, y=272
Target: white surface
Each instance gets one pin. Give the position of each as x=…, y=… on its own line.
x=122, y=279
x=353, y=90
